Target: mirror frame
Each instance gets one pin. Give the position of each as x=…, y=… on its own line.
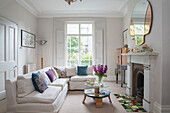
x=132, y=24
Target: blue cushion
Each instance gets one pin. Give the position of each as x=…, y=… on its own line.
x=82, y=70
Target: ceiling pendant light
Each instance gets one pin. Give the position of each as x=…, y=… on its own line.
x=71, y=1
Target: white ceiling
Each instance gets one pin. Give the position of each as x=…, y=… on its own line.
x=86, y=8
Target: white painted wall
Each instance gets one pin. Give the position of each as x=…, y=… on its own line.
x=166, y=53
x=45, y=32
x=11, y=10
x=159, y=40
x=113, y=33
x=114, y=29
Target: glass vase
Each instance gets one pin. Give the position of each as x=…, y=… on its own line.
x=100, y=80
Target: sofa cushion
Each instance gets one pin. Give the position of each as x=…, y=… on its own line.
x=90, y=70
x=61, y=72
x=51, y=75
x=82, y=70
x=24, y=85
x=71, y=71
x=39, y=82
x=45, y=76
x=48, y=96
x=82, y=78
x=55, y=72
x=59, y=82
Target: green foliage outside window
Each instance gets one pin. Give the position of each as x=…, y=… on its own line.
x=73, y=52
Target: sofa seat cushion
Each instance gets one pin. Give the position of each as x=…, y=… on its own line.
x=60, y=82
x=82, y=78
x=48, y=96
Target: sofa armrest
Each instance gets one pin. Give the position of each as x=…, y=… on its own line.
x=11, y=92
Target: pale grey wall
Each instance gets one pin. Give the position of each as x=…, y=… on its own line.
x=154, y=40
x=114, y=29
x=166, y=52
x=45, y=32
x=11, y=10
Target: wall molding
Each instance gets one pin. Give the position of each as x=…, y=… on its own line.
x=156, y=108
x=32, y=8
x=161, y=109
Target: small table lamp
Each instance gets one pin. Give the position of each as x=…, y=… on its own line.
x=41, y=42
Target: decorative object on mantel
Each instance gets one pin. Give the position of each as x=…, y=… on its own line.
x=145, y=48
x=100, y=71
x=71, y=1
x=27, y=39
x=41, y=42
x=141, y=22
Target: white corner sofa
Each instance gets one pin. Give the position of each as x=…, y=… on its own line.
x=76, y=82
x=22, y=97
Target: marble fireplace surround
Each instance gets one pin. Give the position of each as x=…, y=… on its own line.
x=147, y=60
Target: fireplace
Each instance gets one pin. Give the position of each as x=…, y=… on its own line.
x=138, y=81
x=140, y=77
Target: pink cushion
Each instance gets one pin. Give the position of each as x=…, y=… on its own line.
x=51, y=75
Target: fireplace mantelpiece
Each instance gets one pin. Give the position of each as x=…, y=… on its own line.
x=147, y=60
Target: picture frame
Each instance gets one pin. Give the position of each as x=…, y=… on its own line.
x=27, y=39
x=125, y=37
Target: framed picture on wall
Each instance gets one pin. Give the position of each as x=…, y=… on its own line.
x=125, y=37
x=27, y=39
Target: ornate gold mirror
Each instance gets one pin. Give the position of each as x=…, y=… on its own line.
x=141, y=22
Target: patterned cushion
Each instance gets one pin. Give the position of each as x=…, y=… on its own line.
x=51, y=75
x=61, y=73
x=39, y=82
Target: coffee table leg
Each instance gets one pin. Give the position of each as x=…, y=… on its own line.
x=99, y=103
x=84, y=99
x=109, y=99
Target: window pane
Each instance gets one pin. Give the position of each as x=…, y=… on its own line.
x=72, y=28
x=73, y=41
x=85, y=62
x=72, y=50
x=86, y=50
x=86, y=28
x=72, y=63
x=86, y=47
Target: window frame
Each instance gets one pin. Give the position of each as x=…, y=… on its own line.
x=79, y=35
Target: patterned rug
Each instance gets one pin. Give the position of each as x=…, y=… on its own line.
x=129, y=103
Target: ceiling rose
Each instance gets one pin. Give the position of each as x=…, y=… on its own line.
x=71, y=1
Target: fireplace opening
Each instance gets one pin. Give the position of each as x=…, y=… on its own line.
x=138, y=82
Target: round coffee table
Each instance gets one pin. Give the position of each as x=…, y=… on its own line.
x=97, y=94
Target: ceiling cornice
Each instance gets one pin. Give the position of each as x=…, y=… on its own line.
x=80, y=14
x=45, y=14
x=29, y=6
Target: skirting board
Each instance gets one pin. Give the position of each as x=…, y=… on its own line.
x=161, y=109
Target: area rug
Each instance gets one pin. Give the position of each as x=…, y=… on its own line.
x=129, y=103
